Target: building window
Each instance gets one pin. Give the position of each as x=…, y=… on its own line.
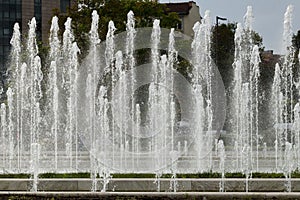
x=12, y=14
x=64, y=5
x=6, y=14
x=38, y=17
x=2, y=66
x=37, y=7
x=6, y=31
x=180, y=24
x=18, y=15
x=6, y=50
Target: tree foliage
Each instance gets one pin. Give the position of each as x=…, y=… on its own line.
x=296, y=40
x=145, y=12
x=296, y=45
x=223, y=49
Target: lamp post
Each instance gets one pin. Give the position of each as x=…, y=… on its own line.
x=219, y=18
x=217, y=33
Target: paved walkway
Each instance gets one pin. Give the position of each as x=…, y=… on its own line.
x=146, y=195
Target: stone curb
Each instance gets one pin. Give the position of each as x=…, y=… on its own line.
x=149, y=185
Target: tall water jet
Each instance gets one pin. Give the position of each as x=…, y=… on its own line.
x=90, y=96
x=254, y=76
x=35, y=154
x=197, y=91
x=202, y=74
x=252, y=60
x=15, y=70
x=53, y=90
x=3, y=134
x=172, y=59
x=248, y=28
x=104, y=171
x=73, y=104
x=296, y=124
x=237, y=98
x=173, y=153
x=23, y=107
x=32, y=51
x=90, y=126
x=68, y=37
x=163, y=102
x=35, y=97
x=246, y=162
x=31, y=47
x=130, y=61
x=288, y=165
x=35, y=114
x=207, y=63
x=277, y=114
x=70, y=76
x=161, y=94
x=246, y=70
x=222, y=157
x=288, y=96
x=296, y=128
x=287, y=71
x=283, y=94
x=137, y=134
x=10, y=127
x=30, y=93
x=251, y=74
x=119, y=101
x=109, y=60
x=102, y=113
x=153, y=93
x=54, y=42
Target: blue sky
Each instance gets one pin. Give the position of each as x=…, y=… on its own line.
x=268, y=16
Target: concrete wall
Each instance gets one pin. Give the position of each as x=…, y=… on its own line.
x=47, y=13
x=190, y=19
x=27, y=14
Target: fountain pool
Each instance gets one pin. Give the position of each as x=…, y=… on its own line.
x=110, y=114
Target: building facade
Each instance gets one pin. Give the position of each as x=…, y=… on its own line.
x=10, y=12
x=21, y=11
x=189, y=14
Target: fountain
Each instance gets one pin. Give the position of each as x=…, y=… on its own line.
x=88, y=116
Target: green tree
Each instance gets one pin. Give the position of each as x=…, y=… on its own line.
x=296, y=40
x=223, y=49
x=145, y=12
x=296, y=45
